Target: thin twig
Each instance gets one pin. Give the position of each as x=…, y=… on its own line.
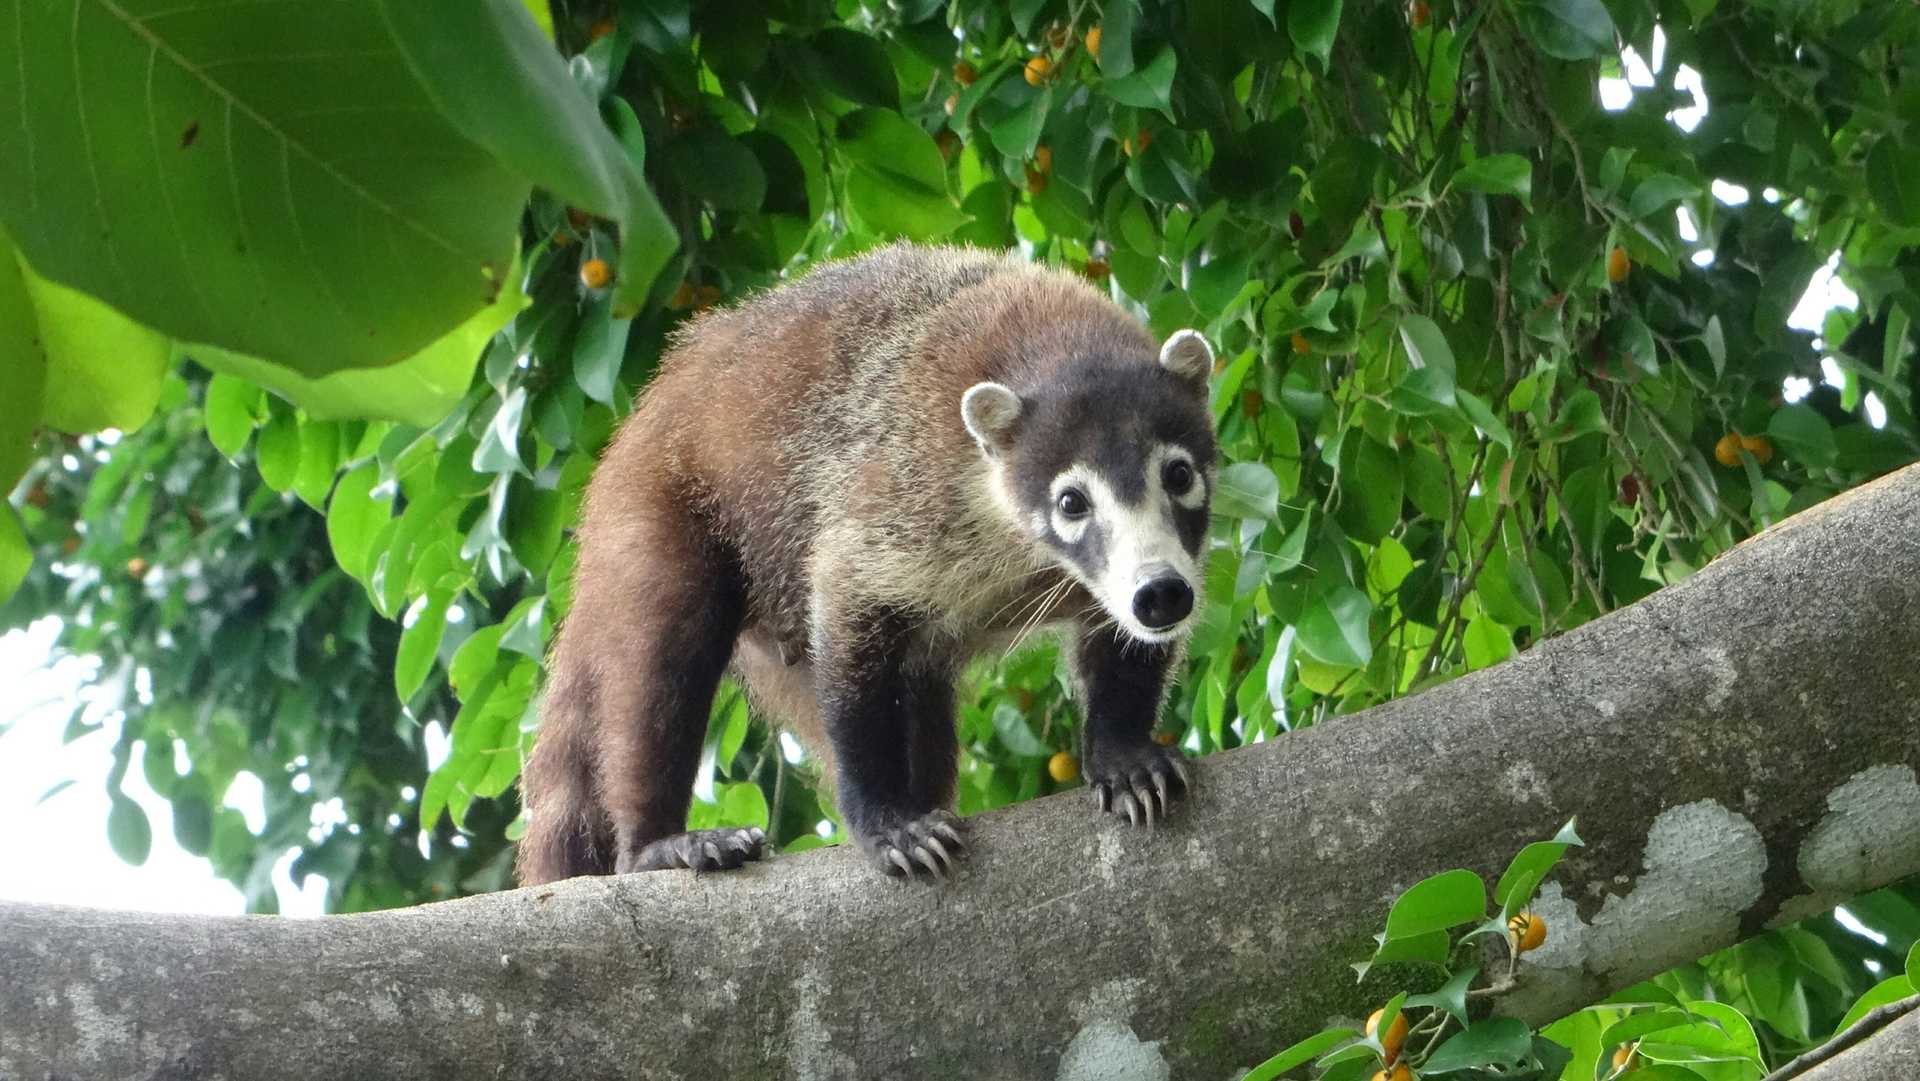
x=1875, y=1020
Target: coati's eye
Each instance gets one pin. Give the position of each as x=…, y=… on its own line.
x=1073, y=503
x=1178, y=477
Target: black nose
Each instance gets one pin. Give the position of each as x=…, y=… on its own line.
x=1162, y=601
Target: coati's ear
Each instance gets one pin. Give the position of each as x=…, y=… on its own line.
x=990, y=411
x=1188, y=356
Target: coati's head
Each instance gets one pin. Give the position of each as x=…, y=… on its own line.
x=1109, y=468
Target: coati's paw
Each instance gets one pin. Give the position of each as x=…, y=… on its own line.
x=927, y=847
x=697, y=850
x=1137, y=781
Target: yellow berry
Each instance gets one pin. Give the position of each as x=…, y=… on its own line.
x=1727, y=450
x=1093, y=41
x=1038, y=69
x=1043, y=159
x=1625, y=1057
x=1398, y=1073
x=595, y=273
x=1527, y=931
x=136, y=568
x=1394, y=1038
x=1618, y=265
x=1063, y=767
x=1759, y=446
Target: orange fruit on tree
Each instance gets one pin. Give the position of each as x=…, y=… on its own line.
x=1759, y=446
x=1093, y=41
x=965, y=73
x=1394, y=1038
x=1527, y=931
x=595, y=273
x=1063, y=767
x=137, y=568
x=1038, y=70
x=1626, y=1057
x=1618, y=265
x=1398, y=1073
x=1036, y=181
x=1727, y=450
x=1043, y=158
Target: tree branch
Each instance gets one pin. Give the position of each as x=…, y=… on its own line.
x=1873, y=1023
x=1739, y=749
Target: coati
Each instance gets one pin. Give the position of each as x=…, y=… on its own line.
x=845, y=487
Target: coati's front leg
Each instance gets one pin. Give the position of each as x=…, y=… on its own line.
x=1122, y=681
x=888, y=711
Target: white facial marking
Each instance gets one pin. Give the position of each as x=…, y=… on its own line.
x=1141, y=538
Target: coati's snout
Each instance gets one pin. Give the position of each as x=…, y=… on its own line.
x=1111, y=473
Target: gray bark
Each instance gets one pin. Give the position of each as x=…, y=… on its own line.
x=1739, y=749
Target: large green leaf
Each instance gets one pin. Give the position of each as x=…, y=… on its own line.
x=103, y=369
x=419, y=390
x=324, y=186
x=1334, y=628
x=23, y=369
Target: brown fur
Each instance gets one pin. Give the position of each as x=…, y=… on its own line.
x=807, y=443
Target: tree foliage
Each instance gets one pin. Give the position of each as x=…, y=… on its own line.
x=1495, y=358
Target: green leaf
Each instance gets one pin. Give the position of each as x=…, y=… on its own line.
x=420, y=643
x=1530, y=868
x=888, y=207
x=1426, y=345
x=233, y=409
x=1483, y=418
x=355, y=517
x=1486, y=643
x=743, y=805
x=1333, y=630
x=1442, y=902
x=1891, y=989
x=23, y=366
x=16, y=558
x=1496, y=1041
x=1300, y=1053
x=1657, y=192
x=1247, y=490
x=499, y=448
x=278, y=455
x=1804, y=435
x=886, y=142
x=313, y=228
x=720, y=169
x=1011, y=725
x=1497, y=174
x=128, y=830
x=1424, y=392
x=503, y=87
x=1893, y=178
x=1116, y=38
x=1312, y=25
x=418, y=390
x=103, y=369
x=1149, y=86
x=1568, y=29
x=1451, y=996
x=1581, y=414
x=855, y=66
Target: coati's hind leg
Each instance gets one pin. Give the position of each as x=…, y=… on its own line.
x=656, y=630
x=1122, y=682
x=886, y=704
